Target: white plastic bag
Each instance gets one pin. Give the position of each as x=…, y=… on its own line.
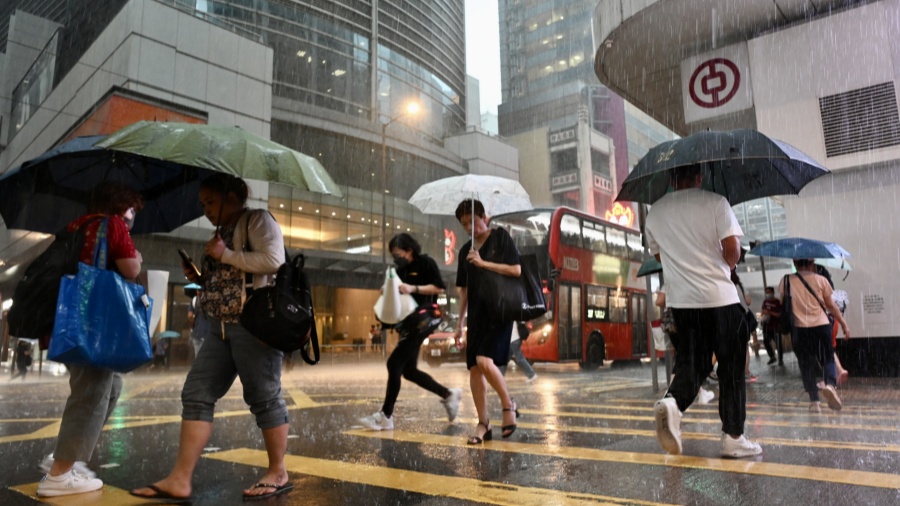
x=392, y=306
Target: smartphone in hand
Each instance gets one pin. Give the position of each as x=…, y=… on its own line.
x=189, y=264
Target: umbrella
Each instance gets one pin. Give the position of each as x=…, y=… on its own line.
x=796, y=247
x=740, y=165
x=499, y=195
x=650, y=266
x=168, y=334
x=48, y=192
x=224, y=149
x=835, y=263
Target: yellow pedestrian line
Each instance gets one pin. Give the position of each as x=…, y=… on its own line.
x=614, y=387
x=704, y=436
x=686, y=420
x=136, y=388
x=301, y=399
x=108, y=495
x=741, y=466
x=800, y=406
x=711, y=409
x=464, y=489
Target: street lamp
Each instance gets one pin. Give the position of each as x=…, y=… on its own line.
x=412, y=108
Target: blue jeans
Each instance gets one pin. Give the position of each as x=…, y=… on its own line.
x=515, y=353
x=220, y=361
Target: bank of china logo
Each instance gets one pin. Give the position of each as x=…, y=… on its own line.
x=714, y=83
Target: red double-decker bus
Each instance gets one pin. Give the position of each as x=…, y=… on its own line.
x=596, y=304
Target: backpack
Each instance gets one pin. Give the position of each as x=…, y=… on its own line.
x=282, y=315
x=34, y=300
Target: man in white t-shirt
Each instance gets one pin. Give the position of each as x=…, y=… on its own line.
x=694, y=233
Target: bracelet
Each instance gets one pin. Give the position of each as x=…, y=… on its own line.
x=417, y=288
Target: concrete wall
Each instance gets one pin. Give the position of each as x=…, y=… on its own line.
x=485, y=155
x=534, y=165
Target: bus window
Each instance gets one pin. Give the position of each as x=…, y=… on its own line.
x=570, y=231
x=635, y=248
x=616, y=240
x=594, y=237
x=597, y=303
x=618, y=307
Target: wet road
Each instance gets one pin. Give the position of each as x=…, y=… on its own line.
x=583, y=438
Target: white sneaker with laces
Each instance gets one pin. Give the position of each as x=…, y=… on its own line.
x=451, y=404
x=68, y=483
x=81, y=467
x=668, y=425
x=377, y=421
x=740, y=447
x=704, y=396
x=831, y=397
x=531, y=379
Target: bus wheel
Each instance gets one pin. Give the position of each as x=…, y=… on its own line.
x=596, y=352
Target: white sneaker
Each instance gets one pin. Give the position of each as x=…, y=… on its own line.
x=80, y=467
x=451, y=404
x=831, y=397
x=740, y=447
x=67, y=484
x=668, y=425
x=378, y=421
x=531, y=379
x=704, y=396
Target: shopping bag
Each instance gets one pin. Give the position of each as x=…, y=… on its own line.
x=515, y=299
x=101, y=320
x=392, y=306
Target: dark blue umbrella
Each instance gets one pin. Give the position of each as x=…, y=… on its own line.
x=740, y=165
x=46, y=193
x=797, y=247
x=649, y=267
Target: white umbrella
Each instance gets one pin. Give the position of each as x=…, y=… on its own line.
x=499, y=195
x=835, y=263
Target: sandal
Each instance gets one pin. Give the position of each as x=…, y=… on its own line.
x=487, y=436
x=507, y=430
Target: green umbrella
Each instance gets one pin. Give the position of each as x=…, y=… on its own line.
x=649, y=267
x=225, y=149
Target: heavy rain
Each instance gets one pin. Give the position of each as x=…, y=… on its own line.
x=448, y=252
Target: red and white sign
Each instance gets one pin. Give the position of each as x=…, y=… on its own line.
x=716, y=83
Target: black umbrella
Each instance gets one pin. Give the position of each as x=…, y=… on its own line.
x=740, y=165
x=48, y=192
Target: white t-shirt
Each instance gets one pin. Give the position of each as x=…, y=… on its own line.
x=686, y=228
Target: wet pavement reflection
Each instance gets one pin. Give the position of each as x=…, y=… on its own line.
x=582, y=438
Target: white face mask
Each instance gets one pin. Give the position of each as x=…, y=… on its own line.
x=129, y=217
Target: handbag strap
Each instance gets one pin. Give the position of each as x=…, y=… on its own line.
x=100, y=245
x=813, y=294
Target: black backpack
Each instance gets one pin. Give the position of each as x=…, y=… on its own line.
x=282, y=315
x=34, y=300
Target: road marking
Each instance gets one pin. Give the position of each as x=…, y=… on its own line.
x=800, y=406
x=712, y=410
x=464, y=489
x=615, y=387
x=135, y=388
x=775, y=470
x=702, y=436
x=108, y=495
x=755, y=423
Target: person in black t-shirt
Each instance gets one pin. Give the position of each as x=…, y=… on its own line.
x=488, y=339
x=420, y=277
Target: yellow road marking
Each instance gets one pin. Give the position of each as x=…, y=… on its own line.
x=135, y=388
x=821, y=474
x=107, y=495
x=301, y=399
x=767, y=423
x=892, y=417
x=703, y=436
x=464, y=489
x=802, y=406
x=616, y=386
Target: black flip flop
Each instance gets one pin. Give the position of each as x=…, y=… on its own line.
x=162, y=495
x=284, y=489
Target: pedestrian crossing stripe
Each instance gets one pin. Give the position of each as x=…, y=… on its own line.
x=108, y=495
x=798, y=406
x=702, y=436
x=454, y=487
x=740, y=466
x=712, y=409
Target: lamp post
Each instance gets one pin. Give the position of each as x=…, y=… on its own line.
x=412, y=108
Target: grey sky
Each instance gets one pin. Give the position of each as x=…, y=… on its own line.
x=483, y=50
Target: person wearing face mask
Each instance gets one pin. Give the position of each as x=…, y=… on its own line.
x=771, y=319
x=421, y=278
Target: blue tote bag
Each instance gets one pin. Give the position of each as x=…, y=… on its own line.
x=101, y=320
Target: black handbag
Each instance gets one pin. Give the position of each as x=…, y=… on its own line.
x=517, y=299
x=787, y=309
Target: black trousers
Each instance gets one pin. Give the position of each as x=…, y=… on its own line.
x=702, y=332
x=403, y=362
x=770, y=335
x=812, y=346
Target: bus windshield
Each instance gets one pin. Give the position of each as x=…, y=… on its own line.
x=527, y=228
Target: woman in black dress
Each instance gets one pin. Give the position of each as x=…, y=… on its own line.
x=487, y=346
